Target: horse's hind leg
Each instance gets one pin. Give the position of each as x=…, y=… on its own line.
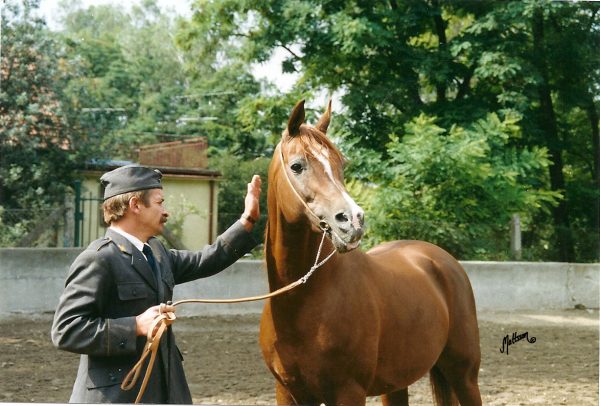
x=398, y=398
x=461, y=373
x=443, y=394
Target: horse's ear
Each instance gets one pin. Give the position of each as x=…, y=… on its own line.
x=325, y=119
x=296, y=119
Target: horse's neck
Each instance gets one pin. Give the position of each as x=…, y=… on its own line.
x=291, y=251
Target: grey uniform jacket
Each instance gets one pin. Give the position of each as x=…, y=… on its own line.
x=107, y=286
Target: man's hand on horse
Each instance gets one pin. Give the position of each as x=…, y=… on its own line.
x=251, y=203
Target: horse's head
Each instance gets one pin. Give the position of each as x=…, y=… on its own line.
x=312, y=184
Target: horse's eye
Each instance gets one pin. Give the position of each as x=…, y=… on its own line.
x=296, y=168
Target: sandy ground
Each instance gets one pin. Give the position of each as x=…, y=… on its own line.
x=224, y=365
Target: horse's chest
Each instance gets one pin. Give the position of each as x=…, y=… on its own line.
x=297, y=366
x=303, y=360
x=306, y=347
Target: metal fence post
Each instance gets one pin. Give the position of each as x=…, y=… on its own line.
x=78, y=214
x=69, y=216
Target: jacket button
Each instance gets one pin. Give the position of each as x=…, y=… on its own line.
x=112, y=377
x=134, y=292
x=122, y=344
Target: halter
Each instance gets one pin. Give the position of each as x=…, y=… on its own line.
x=323, y=225
x=326, y=227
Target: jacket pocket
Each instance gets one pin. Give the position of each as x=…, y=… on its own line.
x=132, y=290
x=104, y=377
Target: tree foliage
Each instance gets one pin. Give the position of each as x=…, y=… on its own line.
x=458, y=187
x=237, y=173
x=130, y=76
x=461, y=62
x=453, y=115
x=35, y=136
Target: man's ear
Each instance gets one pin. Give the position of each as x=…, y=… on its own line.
x=134, y=204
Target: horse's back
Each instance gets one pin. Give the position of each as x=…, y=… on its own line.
x=405, y=256
x=408, y=247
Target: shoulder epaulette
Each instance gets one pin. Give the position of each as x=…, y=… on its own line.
x=99, y=243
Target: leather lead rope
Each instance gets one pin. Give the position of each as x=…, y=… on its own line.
x=157, y=328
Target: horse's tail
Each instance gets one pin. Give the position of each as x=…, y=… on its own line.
x=442, y=391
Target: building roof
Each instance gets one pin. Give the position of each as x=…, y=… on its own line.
x=188, y=153
x=104, y=165
x=180, y=158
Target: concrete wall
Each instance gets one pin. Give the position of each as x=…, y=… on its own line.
x=533, y=285
x=31, y=281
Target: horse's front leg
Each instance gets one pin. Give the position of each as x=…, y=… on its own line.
x=283, y=396
x=398, y=398
x=351, y=394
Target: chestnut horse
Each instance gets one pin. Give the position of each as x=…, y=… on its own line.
x=364, y=324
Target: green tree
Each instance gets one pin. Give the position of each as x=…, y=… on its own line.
x=457, y=61
x=243, y=116
x=237, y=172
x=458, y=187
x=145, y=78
x=36, y=136
x=552, y=49
x=130, y=75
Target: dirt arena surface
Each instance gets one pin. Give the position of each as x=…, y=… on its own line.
x=224, y=365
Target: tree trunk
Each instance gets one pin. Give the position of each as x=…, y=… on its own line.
x=440, y=28
x=549, y=126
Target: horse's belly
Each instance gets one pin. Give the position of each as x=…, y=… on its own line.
x=412, y=339
x=399, y=368
x=390, y=378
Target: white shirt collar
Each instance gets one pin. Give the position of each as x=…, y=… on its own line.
x=137, y=243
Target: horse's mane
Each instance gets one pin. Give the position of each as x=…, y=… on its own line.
x=311, y=139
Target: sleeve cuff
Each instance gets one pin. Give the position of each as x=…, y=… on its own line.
x=238, y=240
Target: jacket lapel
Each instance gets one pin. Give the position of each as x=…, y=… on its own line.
x=138, y=262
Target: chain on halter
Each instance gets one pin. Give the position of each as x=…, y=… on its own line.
x=317, y=264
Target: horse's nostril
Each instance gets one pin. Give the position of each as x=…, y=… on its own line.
x=341, y=218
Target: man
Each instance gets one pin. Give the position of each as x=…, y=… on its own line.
x=114, y=288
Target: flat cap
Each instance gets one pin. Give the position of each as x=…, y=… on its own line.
x=130, y=178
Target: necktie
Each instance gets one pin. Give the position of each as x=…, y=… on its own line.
x=147, y=250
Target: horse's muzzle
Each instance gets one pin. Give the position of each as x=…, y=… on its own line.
x=346, y=241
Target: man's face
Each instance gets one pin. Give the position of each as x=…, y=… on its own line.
x=152, y=218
